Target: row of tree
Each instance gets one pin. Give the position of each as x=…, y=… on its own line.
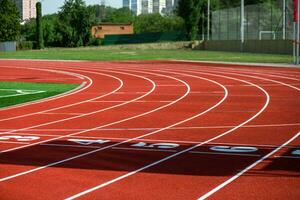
x=71, y=26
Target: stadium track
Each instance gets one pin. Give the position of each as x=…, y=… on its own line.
x=153, y=130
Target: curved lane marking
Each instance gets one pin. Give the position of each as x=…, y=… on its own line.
x=188, y=149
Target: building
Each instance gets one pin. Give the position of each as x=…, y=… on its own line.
x=159, y=6
x=26, y=8
x=146, y=6
x=149, y=6
x=101, y=30
x=171, y=5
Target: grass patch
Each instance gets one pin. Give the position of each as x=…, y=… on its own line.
x=146, y=54
x=13, y=93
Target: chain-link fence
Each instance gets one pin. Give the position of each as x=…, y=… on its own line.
x=267, y=21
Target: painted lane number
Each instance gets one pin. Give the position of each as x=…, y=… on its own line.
x=296, y=152
x=88, y=142
x=19, y=138
x=157, y=145
x=229, y=149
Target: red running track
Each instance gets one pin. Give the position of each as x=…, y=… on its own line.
x=152, y=130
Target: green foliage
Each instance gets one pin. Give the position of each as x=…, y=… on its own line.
x=74, y=24
x=189, y=11
x=24, y=45
x=9, y=21
x=39, y=28
x=28, y=30
x=50, y=32
x=122, y=15
x=147, y=23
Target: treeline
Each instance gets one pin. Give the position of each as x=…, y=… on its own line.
x=71, y=26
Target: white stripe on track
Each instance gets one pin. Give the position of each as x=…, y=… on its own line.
x=155, y=128
x=116, y=122
x=77, y=103
x=183, y=151
x=131, y=139
x=98, y=111
x=219, y=187
x=81, y=87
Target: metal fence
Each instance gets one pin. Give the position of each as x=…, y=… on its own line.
x=144, y=38
x=271, y=21
x=8, y=46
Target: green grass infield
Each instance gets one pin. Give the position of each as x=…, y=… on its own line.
x=13, y=93
x=148, y=54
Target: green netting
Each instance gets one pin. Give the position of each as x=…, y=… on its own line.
x=262, y=21
x=144, y=38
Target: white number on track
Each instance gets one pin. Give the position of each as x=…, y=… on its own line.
x=88, y=142
x=229, y=149
x=19, y=138
x=296, y=152
x=157, y=145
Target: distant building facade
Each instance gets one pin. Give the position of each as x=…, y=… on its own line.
x=26, y=8
x=101, y=30
x=171, y=5
x=150, y=6
x=159, y=6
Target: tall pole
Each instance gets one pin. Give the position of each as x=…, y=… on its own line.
x=242, y=24
x=298, y=32
x=208, y=19
x=295, y=18
x=284, y=19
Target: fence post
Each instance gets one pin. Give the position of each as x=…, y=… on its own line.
x=242, y=24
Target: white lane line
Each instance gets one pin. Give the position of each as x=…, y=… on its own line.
x=70, y=145
x=83, y=86
x=219, y=187
x=293, y=157
x=98, y=111
x=132, y=139
x=155, y=128
x=63, y=113
x=263, y=85
x=171, y=85
x=140, y=149
x=77, y=103
x=188, y=149
x=261, y=72
x=145, y=101
x=261, y=78
x=14, y=142
x=229, y=154
x=20, y=94
x=155, y=140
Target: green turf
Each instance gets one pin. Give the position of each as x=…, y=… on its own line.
x=29, y=92
x=149, y=54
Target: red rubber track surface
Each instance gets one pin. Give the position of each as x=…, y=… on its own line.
x=152, y=130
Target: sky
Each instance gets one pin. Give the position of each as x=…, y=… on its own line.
x=52, y=6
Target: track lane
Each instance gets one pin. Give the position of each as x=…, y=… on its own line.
x=111, y=190
x=116, y=186
x=81, y=115
x=123, y=142
x=124, y=119
x=13, y=111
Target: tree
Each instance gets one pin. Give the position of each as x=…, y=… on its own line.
x=39, y=28
x=189, y=10
x=146, y=23
x=9, y=21
x=122, y=15
x=74, y=24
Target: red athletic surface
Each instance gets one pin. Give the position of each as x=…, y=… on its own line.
x=88, y=144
